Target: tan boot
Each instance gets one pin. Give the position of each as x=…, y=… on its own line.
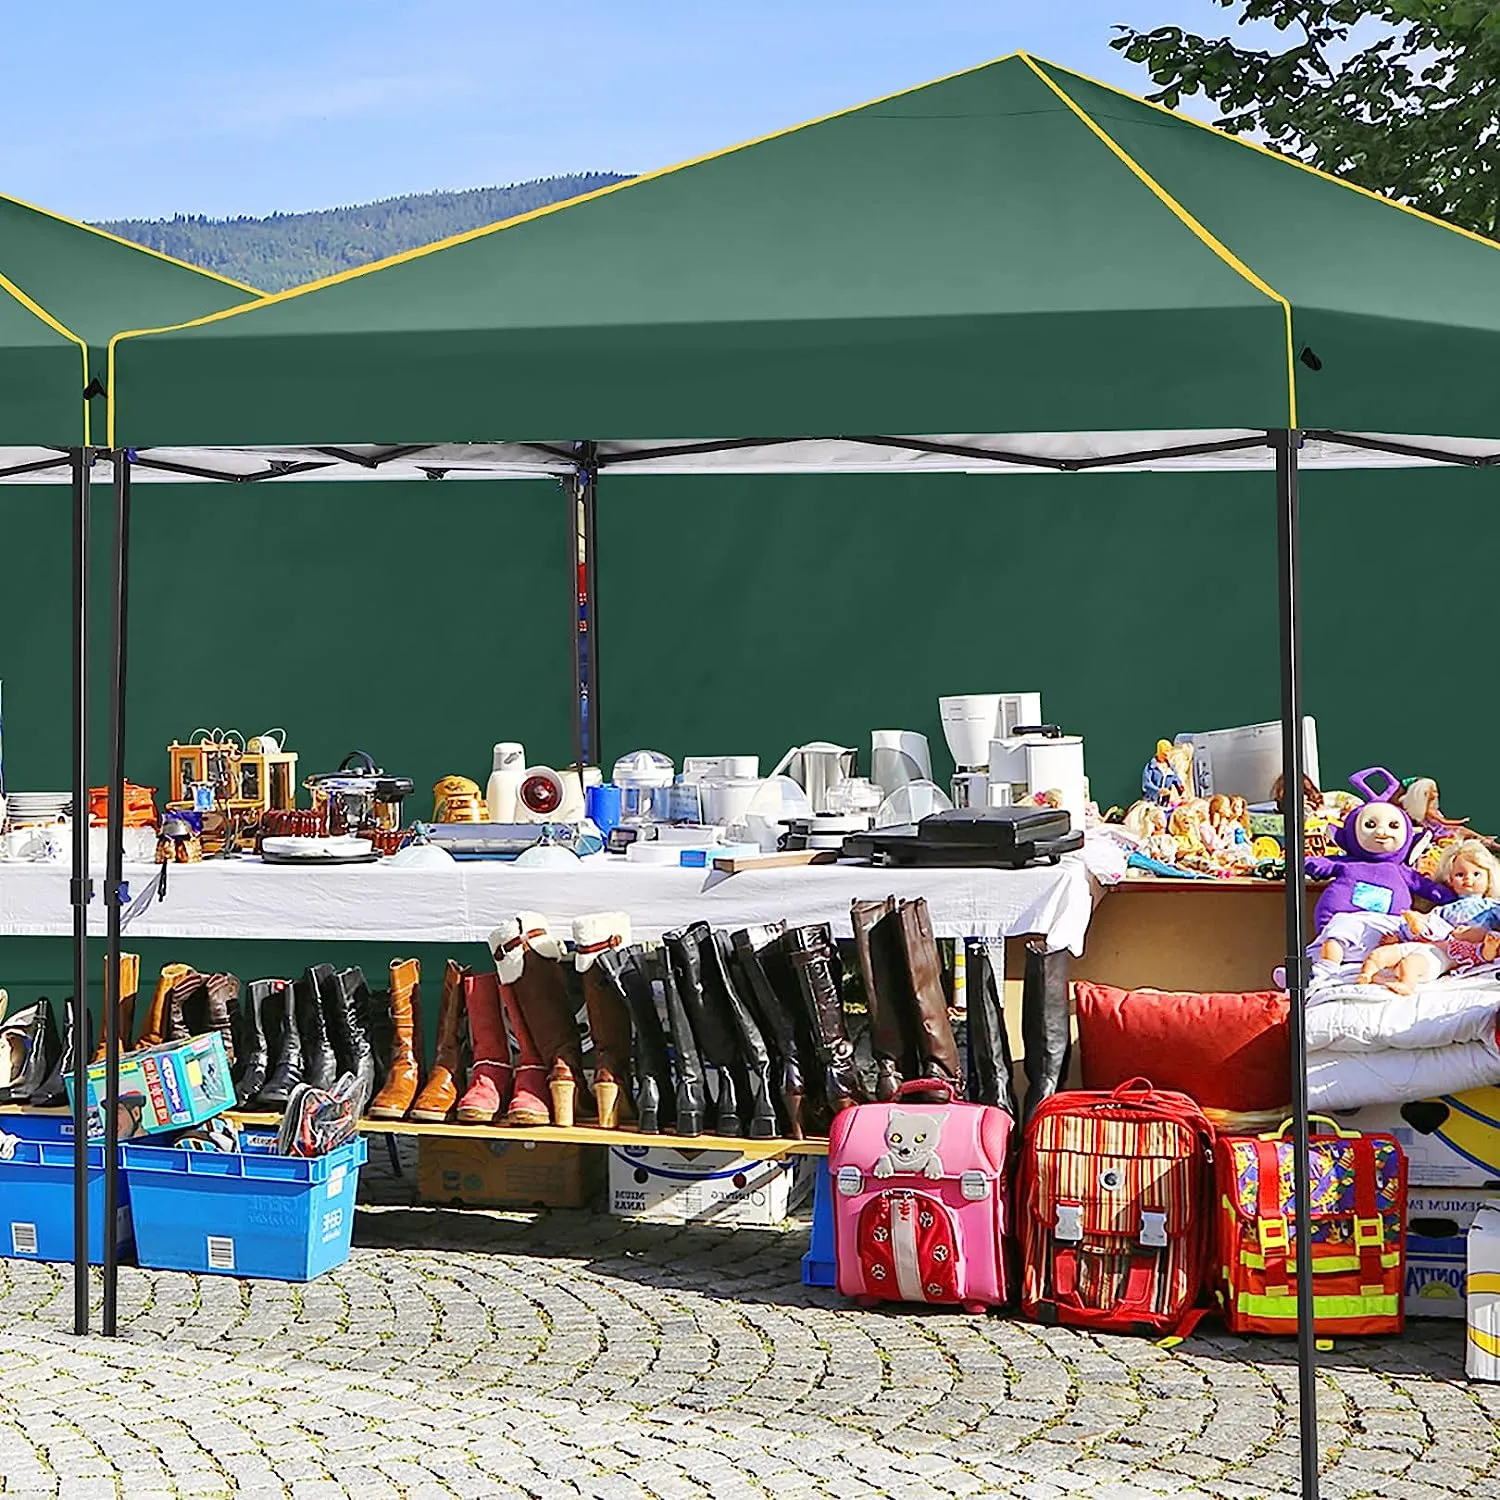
x=609, y=1020
x=153, y=1029
x=440, y=1093
x=130, y=980
x=405, y=1070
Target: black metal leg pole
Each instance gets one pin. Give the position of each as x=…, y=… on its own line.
x=581, y=488
x=112, y=879
x=591, y=636
x=1289, y=589
x=81, y=888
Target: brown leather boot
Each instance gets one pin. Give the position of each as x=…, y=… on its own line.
x=888, y=992
x=937, y=1052
x=440, y=1093
x=405, y=1069
x=609, y=1019
x=488, y=1094
x=201, y=1003
x=528, y=959
x=814, y=961
x=130, y=980
x=153, y=1029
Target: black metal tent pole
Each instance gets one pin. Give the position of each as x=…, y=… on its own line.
x=582, y=489
x=1289, y=590
x=112, y=885
x=81, y=888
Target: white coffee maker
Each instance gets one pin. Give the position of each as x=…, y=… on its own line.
x=971, y=721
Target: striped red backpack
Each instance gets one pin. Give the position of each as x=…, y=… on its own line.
x=1115, y=1209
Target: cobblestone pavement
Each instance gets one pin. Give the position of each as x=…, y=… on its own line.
x=467, y=1354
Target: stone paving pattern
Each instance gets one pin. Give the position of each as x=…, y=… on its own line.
x=572, y=1354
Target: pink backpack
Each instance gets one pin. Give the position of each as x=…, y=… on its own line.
x=920, y=1200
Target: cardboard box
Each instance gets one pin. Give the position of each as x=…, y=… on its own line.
x=490, y=1173
x=166, y=1087
x=1437, y=1234
x=1449, y=1142
x=1482, y=1357
x=679, y=1185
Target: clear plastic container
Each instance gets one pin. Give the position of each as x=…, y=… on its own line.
x=641, y=777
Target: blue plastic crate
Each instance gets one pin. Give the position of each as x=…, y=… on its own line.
x=283, y=1218
x=38, y=1125
x=36, y=1203
x=818, y=1267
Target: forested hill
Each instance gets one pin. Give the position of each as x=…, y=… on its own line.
x=284, y=249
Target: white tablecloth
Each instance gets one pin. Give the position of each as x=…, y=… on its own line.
x=461, y=903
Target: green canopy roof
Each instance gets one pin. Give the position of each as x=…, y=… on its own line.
x=65, y=289
x=1010, y=250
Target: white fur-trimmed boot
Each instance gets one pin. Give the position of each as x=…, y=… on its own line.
x=609, y=1017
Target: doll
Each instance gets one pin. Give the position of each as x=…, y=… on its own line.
x=1471, y=871
x=1160, y=782
x=1181, y=756
x=1420, y=803
x=1372, y=875
x=1149, y=825
x=1405, y=967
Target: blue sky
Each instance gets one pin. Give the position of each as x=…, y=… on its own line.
x=227, y=107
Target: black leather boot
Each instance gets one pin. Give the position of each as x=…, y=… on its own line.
x=29, y=1049
x=711, y=1026
x=758, y=957
x=758, y=1104
x=815, y=965
x=690, y=1108
x=621, y=969
x=314, y=993
x=991, y=1071
x=1046, y=1031
x=252, y=1048
x=347, y=1011
x=278, y=1017
x=53, y=1091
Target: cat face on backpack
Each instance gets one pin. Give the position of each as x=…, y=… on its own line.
x=911, y=1141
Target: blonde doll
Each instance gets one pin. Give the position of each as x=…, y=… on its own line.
x=1470, y=870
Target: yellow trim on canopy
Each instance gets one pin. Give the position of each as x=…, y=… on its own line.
x=1281, y=156
x=104, y=234
x=38, y=311
x=1482, y=1281
x=1483, y=1339
x=1215, y=244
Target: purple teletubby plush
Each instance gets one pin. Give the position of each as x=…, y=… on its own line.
x=1373, y=875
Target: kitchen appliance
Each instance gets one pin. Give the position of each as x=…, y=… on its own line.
x=970, y=722
x=341, y=849
x=818, y=767
x=776, y=799
x=823, y=830
x=504, y=787
x=911, y=803
x=897, y=757
x=727, y=799
x=1245, y=761
x=542, y=796
x=993, y=837
x=1040, y=758
x=641, y=777
x=721, y=768
x=359, y=795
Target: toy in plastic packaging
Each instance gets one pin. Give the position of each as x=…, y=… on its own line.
x=318, y=1121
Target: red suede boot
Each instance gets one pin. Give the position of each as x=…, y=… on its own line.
x=490, y=1076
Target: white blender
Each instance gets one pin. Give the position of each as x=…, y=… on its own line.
x=971, y=722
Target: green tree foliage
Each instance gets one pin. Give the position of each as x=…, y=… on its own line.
x=285, y=249
x=1400, y=96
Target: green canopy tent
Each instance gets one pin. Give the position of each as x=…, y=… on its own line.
x=65, y=289
x=1010, y=268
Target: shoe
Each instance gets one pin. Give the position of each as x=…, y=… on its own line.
x=690, y=1106
x=529, y=959
x=991, y=1069
x=346, y=1009
x=594, y=937
x=153, y=1029
x=623, y=970
x=757, y=955
x=404, y=1072
x=53, y=1090
x=937, y=1051
x=814, y=961
x=130, y=979
x=313, y=999
x=252, y=1047
x=186, y=1009
x=1046, y=1025
x=758, y=1101
x=711, y=1025
x=888, y=993
x=490, y=1074
x=439, y=1094
x=29, y=1049
x=278, y=1017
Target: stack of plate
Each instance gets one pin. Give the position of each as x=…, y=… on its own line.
x=26, y=808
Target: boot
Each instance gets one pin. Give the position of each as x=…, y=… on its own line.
x=594, y=937
x=756, y=950
x=153, y=1031
x=690, y=1101
x=528, y=959
x=937, y=1052
x=346, y=1009
x=623, y=972
x=203, y=1003
x=815, y=966
x=405, y=1070
x=29, y=1049
x=313, y=999
x=278, y=1015
x=485, y=1099
x=758, y=1103
x=711, y=1025
x=130, y=980
x=186, y=1007
x=53, y=1090
x=252, y=1047
x=440, y=1093
x=222, y=994
x=1046, y=1031
x=888, y=993
x=991, y=1070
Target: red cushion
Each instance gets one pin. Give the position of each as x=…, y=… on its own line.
x=1226, y=1051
